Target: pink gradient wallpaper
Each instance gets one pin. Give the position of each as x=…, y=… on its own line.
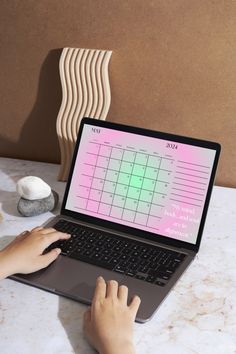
x=147, y=183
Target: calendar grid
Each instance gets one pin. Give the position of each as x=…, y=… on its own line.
x=140, y=193
x=108, y=157
x=90, y=189
x=156, y=180
x=123, y=184
x=116, y=185
x=128, y=149
x=127, y=186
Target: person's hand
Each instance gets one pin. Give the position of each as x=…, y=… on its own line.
x=109, y=323
x=25, y=253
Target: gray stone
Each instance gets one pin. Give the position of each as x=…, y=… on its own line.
x=36, y=207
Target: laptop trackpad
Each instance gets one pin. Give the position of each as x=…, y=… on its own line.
x=84, y=289
x=76, y=279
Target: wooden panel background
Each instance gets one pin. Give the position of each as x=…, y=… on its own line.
x=173, y=69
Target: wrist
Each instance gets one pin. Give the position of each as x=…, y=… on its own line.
x=125, y=347
x=4, y=266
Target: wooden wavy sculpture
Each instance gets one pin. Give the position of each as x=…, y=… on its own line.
x=85, y=93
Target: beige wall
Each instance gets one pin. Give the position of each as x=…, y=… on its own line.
x=173, y=69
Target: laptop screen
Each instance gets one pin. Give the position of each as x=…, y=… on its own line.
x=144, y=182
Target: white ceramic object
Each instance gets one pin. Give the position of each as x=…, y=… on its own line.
x=85, y=93
x=32, y=188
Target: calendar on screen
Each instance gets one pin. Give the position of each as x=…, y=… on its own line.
x=143, y=182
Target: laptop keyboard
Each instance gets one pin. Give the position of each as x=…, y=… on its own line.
x=136, y=259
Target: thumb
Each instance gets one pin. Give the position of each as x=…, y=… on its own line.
x=49, y=257
x=87, y=315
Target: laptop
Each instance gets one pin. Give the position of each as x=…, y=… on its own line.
x=135, y=205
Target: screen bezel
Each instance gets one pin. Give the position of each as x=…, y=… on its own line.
x=127, y=229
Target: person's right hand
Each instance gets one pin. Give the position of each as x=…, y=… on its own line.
x=109, y=323
x=25, y=253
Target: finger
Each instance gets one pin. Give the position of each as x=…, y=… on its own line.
x=112, y=289
x=48, y=230
x=55, y=236
x=23, y=234
x=37, y=228
x=100, y=290
x=123, y=293
x=49, y=257
x=134, y=305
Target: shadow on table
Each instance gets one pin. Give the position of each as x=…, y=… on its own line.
x=5, y=240
x=9, y=202
x=70, y=314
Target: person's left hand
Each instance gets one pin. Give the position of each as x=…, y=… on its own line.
x=25, y=253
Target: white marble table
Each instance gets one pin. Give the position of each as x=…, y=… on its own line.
x=199, y=316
